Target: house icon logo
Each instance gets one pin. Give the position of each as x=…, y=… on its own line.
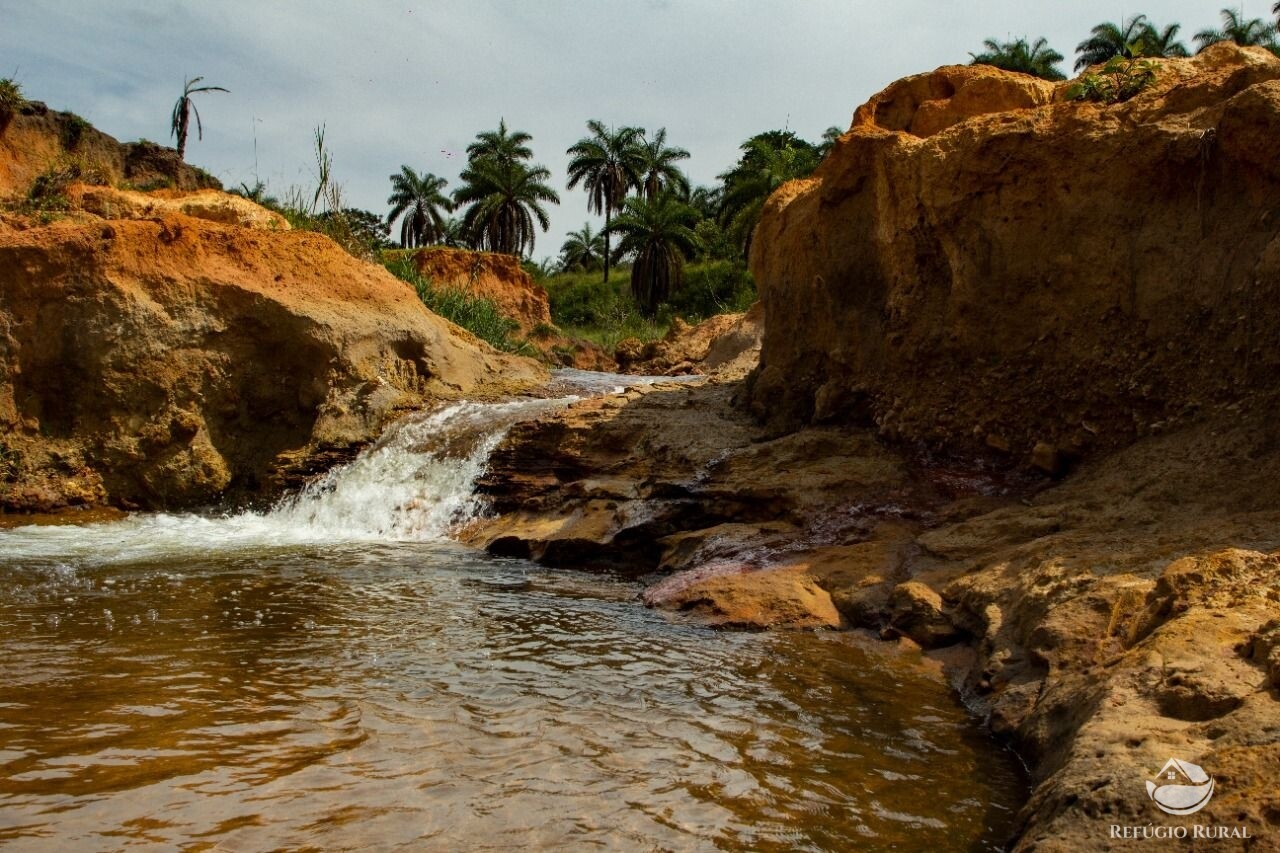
x=1180, y=787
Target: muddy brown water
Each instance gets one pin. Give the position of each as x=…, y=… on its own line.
x=325, y=677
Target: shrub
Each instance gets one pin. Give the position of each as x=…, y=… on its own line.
x=11, y=99
x=718, y=287
x=1119, y=80
x=73, y=128
x=476, y=314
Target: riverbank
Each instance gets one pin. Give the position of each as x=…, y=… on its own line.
x=1094, y=623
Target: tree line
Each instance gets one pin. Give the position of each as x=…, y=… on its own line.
x=653, y=216
x=1133, y=38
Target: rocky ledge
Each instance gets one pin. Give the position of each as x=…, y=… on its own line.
x=176, y=348
x=1016, y=403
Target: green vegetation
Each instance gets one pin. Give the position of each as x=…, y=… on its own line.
x=1246, y=32
x=657, y=233
x=1035, y=58
x=768, y=161
x=476, y=314
x=582, y=251
x=584, y=305
x=506, y=199
x=183, y=108
x=422, y=203
x=73, y=128
x=1134, y=38
x=11, y=99
x=608, y=164
x=658, y=169
x=1120, y=79
x=46, y=198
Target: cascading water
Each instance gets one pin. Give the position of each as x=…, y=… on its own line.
x=332, y=673
x=414, y=484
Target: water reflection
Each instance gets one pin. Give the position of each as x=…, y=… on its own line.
x=425, y=695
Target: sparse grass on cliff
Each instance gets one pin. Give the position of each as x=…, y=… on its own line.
x=11, y=99
x=476, y=314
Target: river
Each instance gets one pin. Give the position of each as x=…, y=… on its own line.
x=335, y=673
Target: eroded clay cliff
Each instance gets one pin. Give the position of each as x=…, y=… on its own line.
x=163, y=362
x=981, y=263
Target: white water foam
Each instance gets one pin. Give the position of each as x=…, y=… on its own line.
x=414, y=484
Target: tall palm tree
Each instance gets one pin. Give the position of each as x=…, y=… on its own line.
x=1236, y=28
x=501, y=144
x=582, y=250
x=180, y=121
x=1034, y=58
x=1107, y=40
x=608, y=163
x=765, y=166
x=1163, y=43
x=506, y=200
x=659, y=171
x=419, y=198
x=658, y=234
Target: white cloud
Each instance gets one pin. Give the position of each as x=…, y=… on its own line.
x=406, y=82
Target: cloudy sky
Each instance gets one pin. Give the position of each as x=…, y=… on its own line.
x=409, y=82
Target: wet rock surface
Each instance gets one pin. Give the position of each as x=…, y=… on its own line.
x=1125, y=611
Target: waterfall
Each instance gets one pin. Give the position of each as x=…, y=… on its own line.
x=414, y=484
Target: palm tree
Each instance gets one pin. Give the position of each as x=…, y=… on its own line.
x=1236, y=28
x=658, y=234
x=659, y=171
x=764, y=166
x=506, y=200
x=1107, y=40
x=608, y=163
x=420, y=200
x=829, y=138
x=180, y=122
x=501, y=145
x=1162, y=43
x=582, y=250
x=1034, y=58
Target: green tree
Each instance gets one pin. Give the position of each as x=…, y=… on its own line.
x=501, y=145
x=830, y=137
x=183, y=108
x=1162, y=43
x=421, y=201
x=768, y=161
x=506, y=200
x=659, y=171
x=658, y=235
x=1242, y=31
x=1107, y=40
x=582, y=250
x=1034, y=58
x=608, y=163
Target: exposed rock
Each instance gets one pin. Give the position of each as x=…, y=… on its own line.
x=490, y=275
x=168, y=362
x=37, y=140
x=917, y=611
x=736, y=595
x=979, y=257
x=727, y=345
x=210, y=205
x=1121, y=615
